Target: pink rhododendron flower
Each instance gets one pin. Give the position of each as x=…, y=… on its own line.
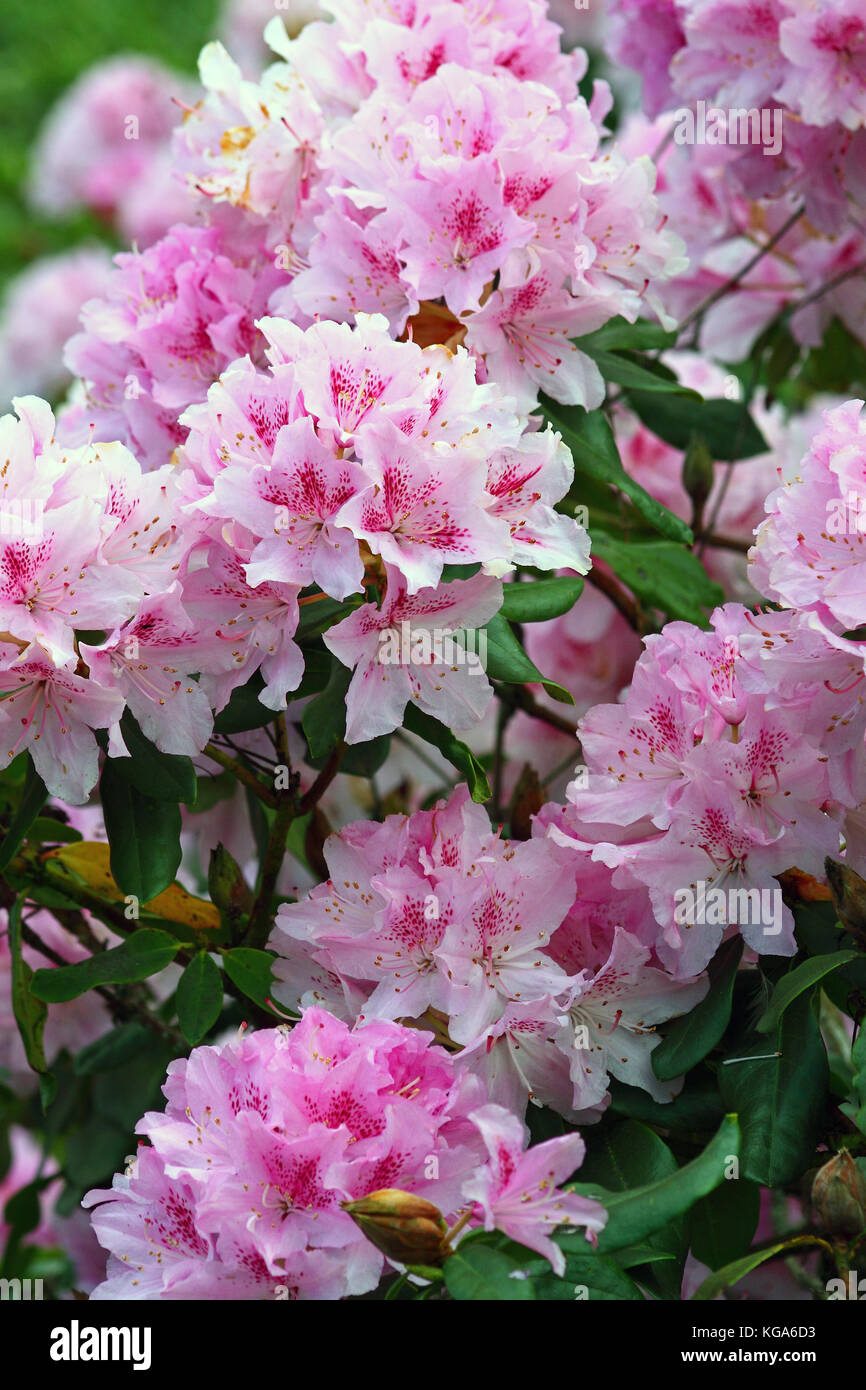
x=40, y=311
x=174, y=316
x=242, y=1182
x=104, y=133
x=405, y=650
x=518, y=1191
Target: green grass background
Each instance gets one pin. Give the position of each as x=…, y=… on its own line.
x=44, y=45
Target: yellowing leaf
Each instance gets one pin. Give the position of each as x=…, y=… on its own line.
x=89, y=860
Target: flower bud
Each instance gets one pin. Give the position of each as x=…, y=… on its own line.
x=839, y=1196
x=698, y=476
x=404, y=1227
x=227, y=887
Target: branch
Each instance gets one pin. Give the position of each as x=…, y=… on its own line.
x=698, y=313
x=619, y=597
x=243, y=774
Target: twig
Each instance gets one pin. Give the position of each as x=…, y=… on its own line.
x=243, y=774
x=698, y=313
x=618, y=596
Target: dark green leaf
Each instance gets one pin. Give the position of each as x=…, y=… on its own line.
x=630, y=1156
x=634, y=374
x=690, y=1038
x=29, y=1011
x=726, y=1277
x=636, y=1214
x=459, y=754
x=161, y=776
x=540, y=599
x=726, y=427
x=112, y=1049
x=505, y=660
x=144, y=836
x=324, y=719
x=803, y=977
x=661, y=575
x=46, y=830
x=618, y=334
x=856, y=1108
x=722, y=1224
x=780, y=1100
x=199, y=997
x=478, y=1273
x=244, y=710
x=317, y=617
x=145, y=953
x=698, y=1107
x=251, y=971
x=33, y=798
x=590, y=439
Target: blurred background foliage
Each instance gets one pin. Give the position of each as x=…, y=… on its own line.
x=44, y=47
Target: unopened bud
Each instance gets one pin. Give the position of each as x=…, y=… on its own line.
x=839, y=1196
x=227, y=887
x=404, y=1227
x=698, y=476
x=849, y=894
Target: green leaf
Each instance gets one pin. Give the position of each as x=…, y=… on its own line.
x=33, y=798
x=457, y=753
x=478, y=1273
x=593, y=447
x=27, y=1007
x=618, y=334
x=317, y=617
x=634, y=1215
x=145, y=953
x=199, y=997
x=698, y=1107
x=540, y=599
x=161, y=776
x=594, y=1278
x=856, y=1109
x=690, y=1038
x=324, y=719
x=726, y=427
x=803, y=977
x=731, y=1274
x=324, y=724
x=661, y=575
x=629, y=1156
x=45, y=830
x=251, y=971
x=780, y=1100
x=112, y=1049
x=143, y=834
x=505, y=660
x=722, y=1225
x=635, y=375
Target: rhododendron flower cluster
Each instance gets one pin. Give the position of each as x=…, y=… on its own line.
x=459, y=675
x=394, y=163
x=809, y=61
x=354, y=443
x=242, y=1183
x=436, y=916
x=799, y=69
x=722, y=768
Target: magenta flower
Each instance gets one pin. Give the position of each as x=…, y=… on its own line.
x=519, y=1191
